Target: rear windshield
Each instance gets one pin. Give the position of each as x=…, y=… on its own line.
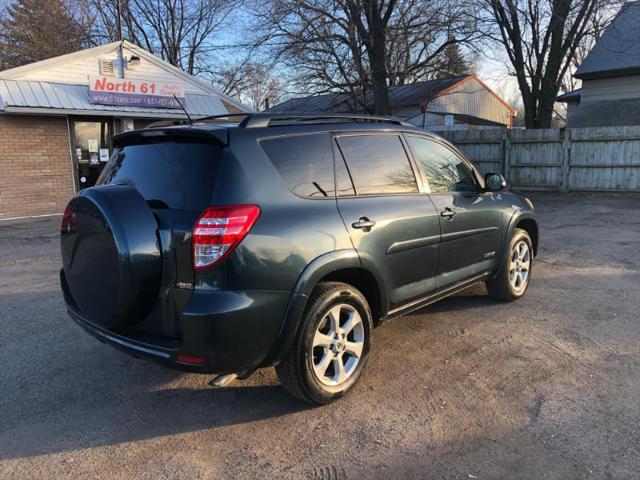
x=168, y=174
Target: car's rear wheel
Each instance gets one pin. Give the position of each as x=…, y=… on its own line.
x=512, y=280
x=331, y=346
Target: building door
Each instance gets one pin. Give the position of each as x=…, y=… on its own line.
x=91, y=148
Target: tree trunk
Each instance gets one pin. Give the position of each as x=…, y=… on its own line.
x=530, y=118
x=546, y=101
x=540, y=52
x=376, y=50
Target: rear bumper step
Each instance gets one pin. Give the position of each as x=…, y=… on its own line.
x=223, y=332
x=155, y=353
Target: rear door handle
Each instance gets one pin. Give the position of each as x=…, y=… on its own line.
x=447, y=213
x=364, y=223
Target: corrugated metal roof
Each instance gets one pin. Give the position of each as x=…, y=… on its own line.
x=618, y=50
x=22, y=94
x=414, y=93
x=333, y=102
x=399, y=96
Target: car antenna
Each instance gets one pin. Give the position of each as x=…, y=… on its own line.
x=184, y=110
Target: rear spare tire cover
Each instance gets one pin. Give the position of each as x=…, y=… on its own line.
x=111, y=256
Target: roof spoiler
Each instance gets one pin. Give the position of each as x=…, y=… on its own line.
x=148, y=135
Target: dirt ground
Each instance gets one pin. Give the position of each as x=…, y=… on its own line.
x=544, y=388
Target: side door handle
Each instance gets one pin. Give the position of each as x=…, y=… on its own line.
x=364, y=223
x=447, y=213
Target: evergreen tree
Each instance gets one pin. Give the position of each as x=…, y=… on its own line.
x=33, y=30
x=453, y=63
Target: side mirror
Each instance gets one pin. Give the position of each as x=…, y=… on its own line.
x=494, y=182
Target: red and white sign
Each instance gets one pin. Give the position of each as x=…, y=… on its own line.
x=135, y=93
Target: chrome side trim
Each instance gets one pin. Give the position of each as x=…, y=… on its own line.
x=466, y=233
x=411, y=244
x=424, y=301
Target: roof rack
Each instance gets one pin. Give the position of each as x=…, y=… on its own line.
x=268, y=119
x=261, y=120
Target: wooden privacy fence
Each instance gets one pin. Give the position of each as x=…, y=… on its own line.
x=606, y=159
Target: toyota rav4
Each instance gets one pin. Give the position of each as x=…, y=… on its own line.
x=222, y=246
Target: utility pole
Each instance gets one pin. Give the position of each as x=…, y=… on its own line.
x=120, y=49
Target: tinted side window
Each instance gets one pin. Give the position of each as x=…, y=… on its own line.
x=344, y=185
x=378, y=164
x=445, y=170
x=305, y=163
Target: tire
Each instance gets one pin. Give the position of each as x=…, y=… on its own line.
x=504, y=286
x=111, y=255
x=316, y=349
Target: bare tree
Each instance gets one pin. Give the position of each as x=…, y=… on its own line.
x=179, y=31
x=424, y=38
x=315, y=39
x=599, y=23
x=541, y=39
x=360, y=47
x=371, y=19
x=425, y=30
x=252, y=83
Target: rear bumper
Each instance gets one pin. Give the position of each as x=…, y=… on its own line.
x=231, y=331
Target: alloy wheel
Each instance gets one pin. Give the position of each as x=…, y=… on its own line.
x=337, y=345
x=519, y=266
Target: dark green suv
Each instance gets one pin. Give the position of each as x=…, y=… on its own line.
x=222, y=247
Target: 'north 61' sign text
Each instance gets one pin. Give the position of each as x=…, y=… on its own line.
x=135, y=93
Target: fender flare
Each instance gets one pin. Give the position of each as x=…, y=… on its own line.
x=513, y=221
x=322, y=266
x=317, y=269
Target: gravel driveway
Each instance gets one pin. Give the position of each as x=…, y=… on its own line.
x=547, y=387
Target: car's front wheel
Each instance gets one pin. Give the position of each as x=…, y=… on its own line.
x=331, y=347
x=512, y=280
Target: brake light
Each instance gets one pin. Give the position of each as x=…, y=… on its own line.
x=219, y=230
x=69, y=222
x=190, y=359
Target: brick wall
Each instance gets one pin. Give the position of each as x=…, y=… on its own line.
x=35, y=168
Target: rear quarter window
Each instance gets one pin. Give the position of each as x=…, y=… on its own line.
x=172, y=174
x=305, y=163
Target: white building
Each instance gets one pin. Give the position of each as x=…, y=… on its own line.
x=58, y=116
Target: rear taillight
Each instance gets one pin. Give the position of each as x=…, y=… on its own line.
x=219, y=230
x=190, y=359
x=69, y=222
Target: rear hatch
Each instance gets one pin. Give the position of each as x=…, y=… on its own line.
x=174, y=174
